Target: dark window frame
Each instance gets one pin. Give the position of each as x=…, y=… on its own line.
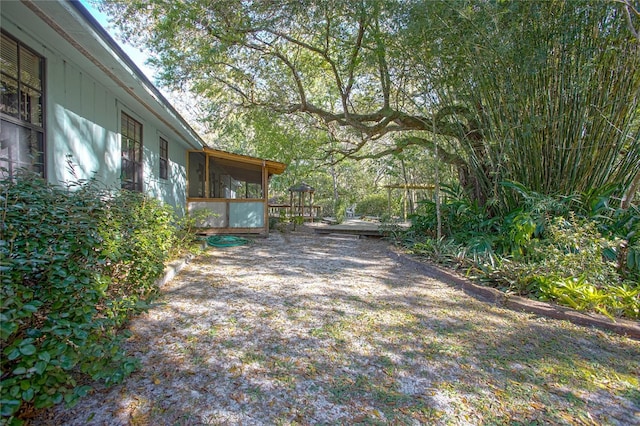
x=131, y=144
x=164, y=159
x=25, y=108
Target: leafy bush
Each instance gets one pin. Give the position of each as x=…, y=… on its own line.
x=340, y=212
x=440, y=250
x=574, y=250
x=137, y=234
x=622, y=226
x=577, y=293
x=425, y=223
x=76, y=264
x=574, y=270
x=462, y=219
x=517, y=231
x=185, y=238
x=373, y=205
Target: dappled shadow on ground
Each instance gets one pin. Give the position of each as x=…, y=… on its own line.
x=304, y=329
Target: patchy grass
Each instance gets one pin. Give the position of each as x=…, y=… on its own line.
x=313, y=330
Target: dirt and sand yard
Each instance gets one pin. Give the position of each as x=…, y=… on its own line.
x=305, y=329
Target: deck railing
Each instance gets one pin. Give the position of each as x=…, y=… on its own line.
x=286, y=210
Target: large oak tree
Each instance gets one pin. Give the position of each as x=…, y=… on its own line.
x=544, y=93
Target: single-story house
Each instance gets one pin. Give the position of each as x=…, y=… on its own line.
x=69, y=92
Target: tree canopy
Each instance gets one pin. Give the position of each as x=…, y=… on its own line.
x=543, y=93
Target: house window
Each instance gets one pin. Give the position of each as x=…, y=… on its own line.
x=131, y=133
x=21, y=108
x=197, y=174
x=164, y=159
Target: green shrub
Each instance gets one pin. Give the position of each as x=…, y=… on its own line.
x=75, y=264
x=137, y=234
x=340, y=211
x=517, y=231
x=610, y=300
x=462, y=219
x=185, y=239
x=622, y=226
x=425, y=223
x=571, y=267
x=441, y=250
x=575, y=250
x=373, y=205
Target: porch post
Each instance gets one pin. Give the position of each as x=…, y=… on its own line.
x=265, y=195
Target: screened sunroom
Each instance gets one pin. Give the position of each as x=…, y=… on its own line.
x=228, y=193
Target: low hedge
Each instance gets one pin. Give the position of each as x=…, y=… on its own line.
x=76, y=262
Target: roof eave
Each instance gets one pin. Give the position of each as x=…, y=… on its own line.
x=273, y=167
x=150, y=97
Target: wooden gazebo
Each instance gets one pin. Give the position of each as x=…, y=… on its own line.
x=298, y=197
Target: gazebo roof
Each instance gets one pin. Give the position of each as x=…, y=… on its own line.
x=302, y=187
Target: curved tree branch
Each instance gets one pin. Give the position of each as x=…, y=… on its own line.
x=352, y=62
x=628, y=9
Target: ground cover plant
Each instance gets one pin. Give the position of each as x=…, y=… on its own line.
x=579, y=251
x=76, y=263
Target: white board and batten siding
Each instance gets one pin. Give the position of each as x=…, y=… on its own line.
x=88, y=83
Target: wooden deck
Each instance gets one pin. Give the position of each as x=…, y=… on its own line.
x=361, y=228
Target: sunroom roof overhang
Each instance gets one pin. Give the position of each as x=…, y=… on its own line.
x=273, y=167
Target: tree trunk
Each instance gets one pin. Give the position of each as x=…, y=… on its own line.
x=334, y=178
x=627, y=199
